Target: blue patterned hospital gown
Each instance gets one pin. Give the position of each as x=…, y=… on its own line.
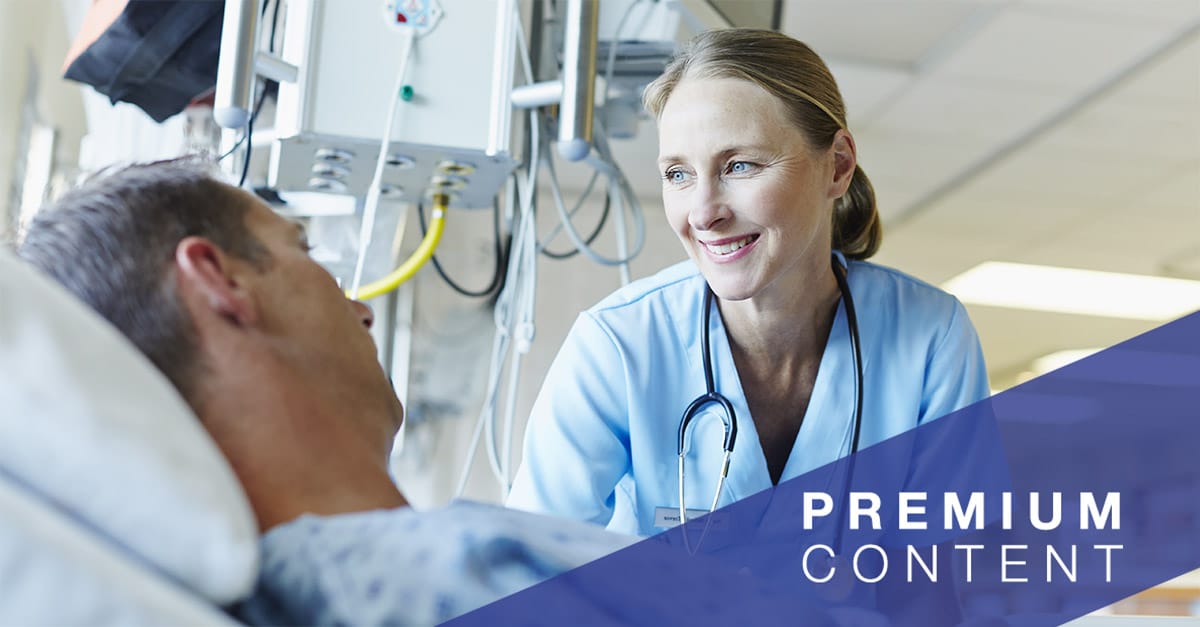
x=409, y=567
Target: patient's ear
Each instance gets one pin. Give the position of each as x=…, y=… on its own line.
x=210, y=279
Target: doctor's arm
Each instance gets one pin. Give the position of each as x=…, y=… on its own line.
x=955, y=374
x=577, y=439
x=955, y=377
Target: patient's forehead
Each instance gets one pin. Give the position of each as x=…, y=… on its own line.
x=261, y=219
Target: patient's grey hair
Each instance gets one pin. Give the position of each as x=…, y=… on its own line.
x=112, y=241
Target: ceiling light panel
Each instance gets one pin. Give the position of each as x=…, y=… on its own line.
x=1074, y=291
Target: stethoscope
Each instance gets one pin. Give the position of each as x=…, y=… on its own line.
x=728, y=416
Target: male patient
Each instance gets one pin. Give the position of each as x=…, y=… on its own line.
x=220, y=293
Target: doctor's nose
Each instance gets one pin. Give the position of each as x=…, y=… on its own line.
x=709, y=211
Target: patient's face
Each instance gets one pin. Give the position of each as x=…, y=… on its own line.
x=319, y=331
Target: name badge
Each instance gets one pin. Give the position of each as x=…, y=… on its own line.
x=667, y=517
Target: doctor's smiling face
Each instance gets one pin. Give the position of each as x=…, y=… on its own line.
x=748, y=195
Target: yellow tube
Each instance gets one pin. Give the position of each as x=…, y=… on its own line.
x=414, y=262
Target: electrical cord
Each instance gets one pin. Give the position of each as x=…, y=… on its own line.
x=501, y=255
x=514, y=320
x=612, y=49
x=573, y=235
x=262, y=96
x=514, y=307
x=515, y=303
x=595, y=232
x=249, y=148
x=604, y=164
x=248, y=134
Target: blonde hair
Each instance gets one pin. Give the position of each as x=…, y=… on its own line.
x=789, y=70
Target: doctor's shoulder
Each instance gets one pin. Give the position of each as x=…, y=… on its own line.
x=664, y=296
x=904, y=303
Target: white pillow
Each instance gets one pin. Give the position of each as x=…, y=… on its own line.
x=54, y=572
x=87, y=422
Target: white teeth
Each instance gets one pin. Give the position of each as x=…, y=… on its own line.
x=725, y=249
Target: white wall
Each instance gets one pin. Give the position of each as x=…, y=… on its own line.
x=34, y=30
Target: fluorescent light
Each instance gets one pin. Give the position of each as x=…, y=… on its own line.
x=1068, y=290
x=1054, y=361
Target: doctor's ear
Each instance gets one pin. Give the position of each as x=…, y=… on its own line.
x=210, y=279
x=845, y=159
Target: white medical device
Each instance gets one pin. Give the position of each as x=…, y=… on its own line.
x=453, y=134
x=336, y=70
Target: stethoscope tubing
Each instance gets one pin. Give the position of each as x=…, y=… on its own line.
x=729, y=417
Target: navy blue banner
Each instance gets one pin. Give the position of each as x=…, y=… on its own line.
x=1036, y=506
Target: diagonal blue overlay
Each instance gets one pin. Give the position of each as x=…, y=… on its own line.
x=1036, y=506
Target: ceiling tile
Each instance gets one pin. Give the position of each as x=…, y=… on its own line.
x=1011, y=223
x=1170, y=83
x=1121, y=11
x=912, y=159
x=1064, y=52
x=992, y=110
x=1177, y=194
x=935, y=255
x=747, y=13
x=1048, y=175
x=883, y=32
x=1140, y=132
x=1146, y=233
x=867, y=88
x=1120, y=241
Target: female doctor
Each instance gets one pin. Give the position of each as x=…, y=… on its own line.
x=813, y=352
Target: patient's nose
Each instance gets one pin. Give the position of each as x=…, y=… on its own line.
x=364, y=313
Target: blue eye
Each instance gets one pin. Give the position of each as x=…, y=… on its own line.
x=739, y=167
x=674, y=176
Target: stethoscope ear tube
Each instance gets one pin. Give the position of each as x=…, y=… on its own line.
x=728, y=417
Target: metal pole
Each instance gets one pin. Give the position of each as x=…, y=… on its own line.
x=579, y=79
x=235, y=69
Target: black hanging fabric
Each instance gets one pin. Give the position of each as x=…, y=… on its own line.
x=158, y=54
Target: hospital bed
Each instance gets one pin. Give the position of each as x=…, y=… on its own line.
x=115, y=506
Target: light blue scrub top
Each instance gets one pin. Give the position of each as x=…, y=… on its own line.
x=601, y=441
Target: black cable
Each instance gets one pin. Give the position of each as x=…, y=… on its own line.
x=590, y=238
x=501, y=257
x=236, y=145
x=274, y=24
x=249, y=146
x=247, y=138
x=253, y=115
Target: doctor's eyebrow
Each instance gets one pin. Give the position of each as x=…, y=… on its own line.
x=724, y=153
